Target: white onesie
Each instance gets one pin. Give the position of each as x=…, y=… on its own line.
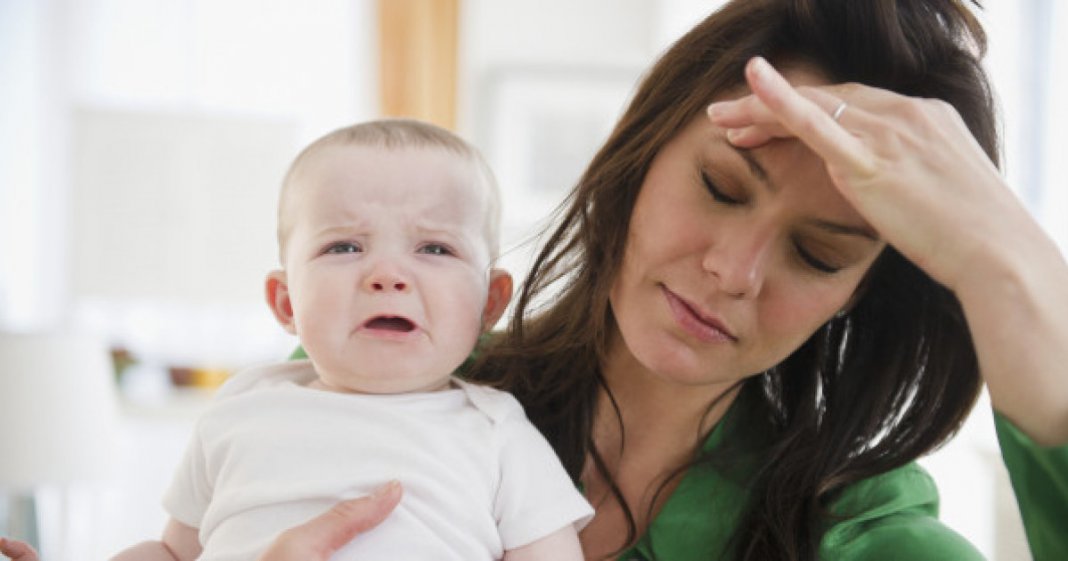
x=271, y=453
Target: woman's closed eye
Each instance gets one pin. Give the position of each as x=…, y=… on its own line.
x=815, y=263
x=809, y=258
x=718, y=193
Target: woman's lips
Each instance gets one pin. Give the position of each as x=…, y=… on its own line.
x=701, y=326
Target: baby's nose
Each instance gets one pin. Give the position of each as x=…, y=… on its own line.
x=386, y=276
x=382, y=285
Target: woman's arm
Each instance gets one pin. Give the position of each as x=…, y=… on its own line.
x=915, y=172
x=315, y=540
x=1017, y=310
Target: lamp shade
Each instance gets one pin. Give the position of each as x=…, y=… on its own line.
x=58, y=413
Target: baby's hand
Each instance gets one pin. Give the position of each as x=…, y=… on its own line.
x=16, y=550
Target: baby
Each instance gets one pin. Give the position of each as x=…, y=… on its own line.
x=387, y=233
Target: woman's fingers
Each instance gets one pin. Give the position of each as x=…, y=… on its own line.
x=321, y=536
x=909, y=165
x=16, y=550
x=808, y=120
x=743, y=112
x=314, y=540
x=753, y=136
x=813, y=115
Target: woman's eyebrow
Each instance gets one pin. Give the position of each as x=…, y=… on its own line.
x=755, y=168
x=845, y=229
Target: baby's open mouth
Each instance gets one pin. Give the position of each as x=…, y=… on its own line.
x=390, y=323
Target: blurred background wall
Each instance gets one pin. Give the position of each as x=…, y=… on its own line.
x=142, y=143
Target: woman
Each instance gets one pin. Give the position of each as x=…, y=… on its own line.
x=840, y=292
x=761, y=316
x=765, y=314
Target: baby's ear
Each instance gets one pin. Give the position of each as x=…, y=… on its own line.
x=499, y=294
x=278, y=300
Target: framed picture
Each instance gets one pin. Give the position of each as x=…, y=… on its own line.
x=539, y=129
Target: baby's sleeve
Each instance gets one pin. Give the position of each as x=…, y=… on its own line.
x=535, y=496
x=186, y=500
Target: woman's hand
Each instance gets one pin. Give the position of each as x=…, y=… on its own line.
x=912, y=168
x=315, y=540
x=320, y=537
x=16, y=550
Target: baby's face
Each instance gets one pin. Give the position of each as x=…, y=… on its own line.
x=387, y=265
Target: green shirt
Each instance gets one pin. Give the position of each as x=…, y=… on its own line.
x=1040, y=479
x=898, y=510
x=895, y=514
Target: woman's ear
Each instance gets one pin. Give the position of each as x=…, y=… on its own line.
x=499, y=294
x=278, y=300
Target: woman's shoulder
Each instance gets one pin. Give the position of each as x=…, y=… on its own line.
x=894, y=513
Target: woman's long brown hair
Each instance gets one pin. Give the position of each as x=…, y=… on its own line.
x=871, y=390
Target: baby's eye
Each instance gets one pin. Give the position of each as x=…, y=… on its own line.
x=435, y=249
x=343, y=247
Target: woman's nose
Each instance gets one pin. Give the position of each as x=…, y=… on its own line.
x=739, y=263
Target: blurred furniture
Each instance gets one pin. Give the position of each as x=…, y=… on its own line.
x=418, y=59
x=58, y=419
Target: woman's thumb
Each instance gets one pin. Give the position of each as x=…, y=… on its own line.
x=321, y=536
x=347, y=519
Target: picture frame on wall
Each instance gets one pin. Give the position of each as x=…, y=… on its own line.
x=540, y=129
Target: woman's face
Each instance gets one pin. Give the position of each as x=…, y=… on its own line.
x=734, y=257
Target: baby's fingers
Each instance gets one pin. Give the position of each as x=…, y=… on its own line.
x=16, y=550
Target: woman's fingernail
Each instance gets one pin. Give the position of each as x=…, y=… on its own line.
x=386, y=489
x=714, y=109
x=734, y=134
x=759, y=66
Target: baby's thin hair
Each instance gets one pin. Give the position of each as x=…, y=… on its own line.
x=395, y=134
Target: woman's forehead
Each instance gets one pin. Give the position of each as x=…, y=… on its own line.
x=779, y=164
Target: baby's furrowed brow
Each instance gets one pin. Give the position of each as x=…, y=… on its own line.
x=342, y=229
